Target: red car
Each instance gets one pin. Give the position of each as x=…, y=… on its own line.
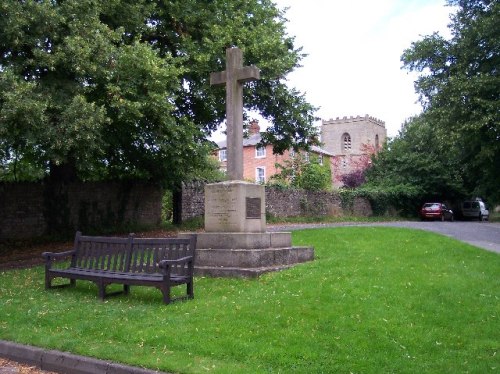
x=436, y=211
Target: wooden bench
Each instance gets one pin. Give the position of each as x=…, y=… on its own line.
x=157, y=262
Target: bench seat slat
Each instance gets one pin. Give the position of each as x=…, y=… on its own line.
x=108, y=275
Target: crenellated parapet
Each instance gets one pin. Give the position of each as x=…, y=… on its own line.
x=352, y=119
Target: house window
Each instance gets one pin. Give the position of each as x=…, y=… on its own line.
x=223, y=155
x=306, y=157
x=320, y=159
x=344, y=162
x=260, y=152
x=260, y=175
x=346, y=142
x=292, y=153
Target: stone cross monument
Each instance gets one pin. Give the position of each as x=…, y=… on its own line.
x=234, y=77
x=235, y=205
x=235, y=242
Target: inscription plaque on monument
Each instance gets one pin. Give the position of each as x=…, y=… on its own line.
x=235, y=206
x=253, y=207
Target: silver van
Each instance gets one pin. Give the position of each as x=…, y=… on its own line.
x=475, y=209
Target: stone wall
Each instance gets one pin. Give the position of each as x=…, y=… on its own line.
x=33, y=209
x=22, y=210
x=282, y=203
x=193, y=201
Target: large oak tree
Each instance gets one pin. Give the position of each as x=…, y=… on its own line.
x=459, y=87
x=96, y=89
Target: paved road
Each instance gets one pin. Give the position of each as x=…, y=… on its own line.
x=481, y=234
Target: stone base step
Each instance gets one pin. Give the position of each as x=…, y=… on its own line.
x=243, y=240
x=234, y=272
x=253, y=258
x=246, y=254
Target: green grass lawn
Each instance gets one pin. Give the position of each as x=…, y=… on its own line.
x=375, y=300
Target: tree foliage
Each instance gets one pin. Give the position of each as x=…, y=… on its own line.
x=359, y=164
x=304, y=172
x=419, y=161
x=459, y=88
x=120, y=88
x=354, y=179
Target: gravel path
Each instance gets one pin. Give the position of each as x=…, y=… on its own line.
x=11, y=367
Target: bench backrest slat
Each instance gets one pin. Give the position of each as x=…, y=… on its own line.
x=102, y=253
x=137, y=255
x=154, y=250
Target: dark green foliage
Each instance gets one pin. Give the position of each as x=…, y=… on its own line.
x=415, y=167
x=452, y=150
x=459, y=87
x=167, y=206
x=120, y=89
x=308, y=174
x=398, y=200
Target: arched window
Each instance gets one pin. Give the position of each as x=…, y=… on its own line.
x=377, y=145
x=346, y=142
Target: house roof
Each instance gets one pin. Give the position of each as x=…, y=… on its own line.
x=254, y=139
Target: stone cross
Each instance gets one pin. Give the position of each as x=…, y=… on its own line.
x=234, y=77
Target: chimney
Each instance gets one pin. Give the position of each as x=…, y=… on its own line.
x=254, y=127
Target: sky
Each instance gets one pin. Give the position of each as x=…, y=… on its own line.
x=354, y=47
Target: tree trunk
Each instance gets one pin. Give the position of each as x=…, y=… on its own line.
x=177, y=205
x=57, y=209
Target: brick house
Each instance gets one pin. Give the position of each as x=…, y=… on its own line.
x=259, y=163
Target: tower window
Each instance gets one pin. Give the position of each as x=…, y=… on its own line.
x=346, y=142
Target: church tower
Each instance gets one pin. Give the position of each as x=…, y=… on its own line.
x=352, y=141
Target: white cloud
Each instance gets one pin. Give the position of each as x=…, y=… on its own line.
x=354, y=47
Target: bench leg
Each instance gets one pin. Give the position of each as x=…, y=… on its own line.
x=166, y=296
x=126, y=289
x=48, y=280
x=102, y=289
x=190, y=290
x=165, y=290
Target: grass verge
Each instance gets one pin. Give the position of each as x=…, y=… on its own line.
x=376, y=299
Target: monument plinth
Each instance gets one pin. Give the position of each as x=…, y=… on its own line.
x=235, y=206
x=235, y=242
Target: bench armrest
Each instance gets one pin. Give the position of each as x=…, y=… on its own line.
x=165, y=263
x=50, y=256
